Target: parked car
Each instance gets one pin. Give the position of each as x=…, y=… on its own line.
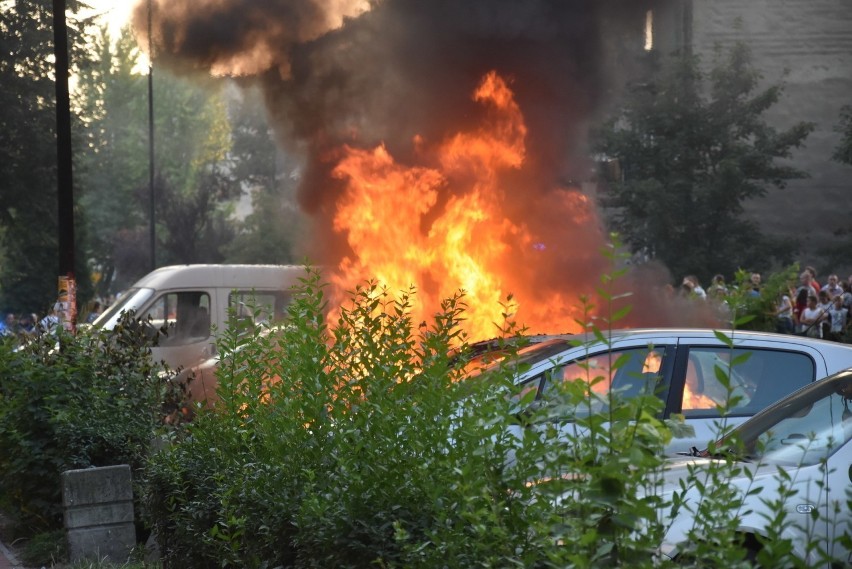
x=807, y=436
x=679, y=366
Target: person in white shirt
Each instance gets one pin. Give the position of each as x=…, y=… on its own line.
x=50, y=322
x=691, y=283
x=839, y=319
x=833, y=287
x=811, y=317
x=784, y=315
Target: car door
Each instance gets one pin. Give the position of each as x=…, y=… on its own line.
x=645, y=368
x=812, y=443
x=707, y=373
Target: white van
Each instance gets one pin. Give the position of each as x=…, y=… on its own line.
x=187, y=305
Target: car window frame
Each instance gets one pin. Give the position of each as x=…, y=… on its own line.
x=674, y=404
x=540, y=372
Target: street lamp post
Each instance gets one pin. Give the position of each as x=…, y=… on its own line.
x=152, y=227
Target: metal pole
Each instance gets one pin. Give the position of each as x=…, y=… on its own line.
x=152, y=227
x=65, y=185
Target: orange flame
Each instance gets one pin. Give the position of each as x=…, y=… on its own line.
x=404, y=231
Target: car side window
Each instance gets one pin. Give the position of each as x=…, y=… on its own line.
x=758, y=378
x=179, y=318
x=256, y=307
x=639, y=374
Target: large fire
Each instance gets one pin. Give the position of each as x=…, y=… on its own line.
x=469, y=243
x=408, y=181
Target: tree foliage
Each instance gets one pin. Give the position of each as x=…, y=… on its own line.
x=28, y=185
x=198, y=176
x=97, y=401
x=843, y=152
x=693, y=148
x=268, y=232
x=837, y=253
x=194, y=186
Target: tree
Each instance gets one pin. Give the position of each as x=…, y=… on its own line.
x=837, y=254
x=28, y=186
x=268, y=233
x=194, y=185
x=689, y=159
x=843, y=152
x=114, y=163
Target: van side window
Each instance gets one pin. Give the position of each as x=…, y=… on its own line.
x=257, y=307
x=180, y=317
x=760, y=378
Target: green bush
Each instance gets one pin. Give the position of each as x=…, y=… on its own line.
x=358, y=444
x=44, y=549
x=361, y=444
x=70, y=402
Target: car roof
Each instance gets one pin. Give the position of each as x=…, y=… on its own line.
x=650, y=333
x=541, y=347
x=227, y=276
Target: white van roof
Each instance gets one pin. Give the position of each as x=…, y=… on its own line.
x=228, y=276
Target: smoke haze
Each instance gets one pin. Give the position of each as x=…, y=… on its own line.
x=400, y=73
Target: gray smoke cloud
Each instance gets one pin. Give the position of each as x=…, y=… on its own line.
x=345, y=72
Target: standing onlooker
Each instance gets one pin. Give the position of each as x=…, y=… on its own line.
x=811, y=318
x=833, y=287
x=691, y=283
x=96, y=311
x=847, y=295
x=784, y=314
x=9, y=325
x=799, y=305
x=824, y=304
x=839, y=319
x=814, y=282
x=27, y=324
x=754, y=290
x=807, y=280
x=717, y=289
x=50, y=322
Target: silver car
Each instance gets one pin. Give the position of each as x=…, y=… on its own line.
x=679, y=366
x=799, y=453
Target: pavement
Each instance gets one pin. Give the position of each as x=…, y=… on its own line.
x=8, y=559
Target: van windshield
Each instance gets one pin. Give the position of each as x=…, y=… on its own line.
x=133, y=300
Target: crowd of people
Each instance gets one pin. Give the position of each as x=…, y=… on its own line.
x=30, y=325
x=806, y=308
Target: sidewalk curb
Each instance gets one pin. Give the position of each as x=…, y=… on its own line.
x=8, y=559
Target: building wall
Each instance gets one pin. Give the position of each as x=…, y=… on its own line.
x=807, y=46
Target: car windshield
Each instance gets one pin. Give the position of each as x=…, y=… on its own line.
x=804, y=429
x=133, y=300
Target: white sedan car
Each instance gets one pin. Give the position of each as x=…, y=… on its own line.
x=799, y=452
x=680, y=367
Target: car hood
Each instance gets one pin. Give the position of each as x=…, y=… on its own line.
x=678, y=470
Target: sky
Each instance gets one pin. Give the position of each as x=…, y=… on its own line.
x=113, y=12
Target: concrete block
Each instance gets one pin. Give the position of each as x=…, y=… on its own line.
x=113, y=543
x=98, y=508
